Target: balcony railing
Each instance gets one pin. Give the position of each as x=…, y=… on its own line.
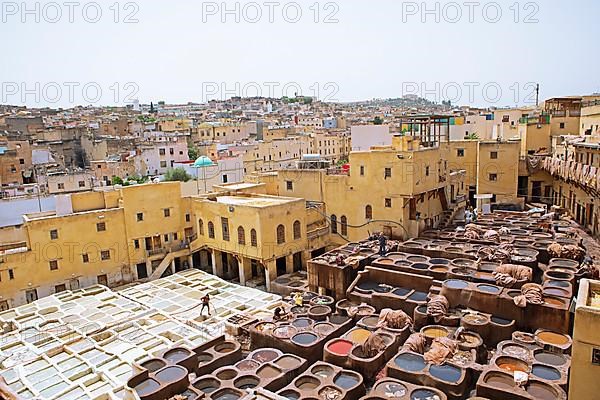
x=542, y=120
x=156, y=252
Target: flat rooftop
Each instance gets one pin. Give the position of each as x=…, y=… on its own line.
x=254, y=201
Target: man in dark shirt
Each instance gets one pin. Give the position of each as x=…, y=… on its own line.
x=205, y=304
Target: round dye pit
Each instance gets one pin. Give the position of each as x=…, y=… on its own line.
x=553, y=339
x=489, y=289
x=501, y=381
x=323, y=329
x=227, y=374
x=545, y=372
x=470, y=339
x=424, y=394
x=418, y=296
x=456, y=284
x=226, y=347
x=268, y=372
x=322, y=371
x=307, y=383
x=346, y=380
x=403, y=263
x=146, y=387
x=330, y=393
x=463, y=262
x=203, y=358
x=420, y=266
x=550, y=358
x=383, y=289
x=338, y=319
x=391, y=390
x=176, y=355
x=288, y=362
x=417, y=259
x=153, y=365
x=410, y=362
x=401, y=292
x=302, y=323
x=439, y=261
x=290, y=395
x=435, y=332
x=516, y=351
x=559, y=284
x=446, y=372
x=207, y=385
x=246, y=382
x=541, y=391
x=319, y=310
x=299, y=310
x=171, y=374
x=284, y=332
x=340, y=347
x=358, y=336
x=511, y=365
x=560, y=276
x=265, y=326
x=227, y=394
x=369, y=321
x=367, y=286
x=385, y=261
x=304, y=339
x=265, y=355
x=553, y=291
x=247, y=365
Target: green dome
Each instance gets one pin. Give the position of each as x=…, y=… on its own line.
x=203, y=161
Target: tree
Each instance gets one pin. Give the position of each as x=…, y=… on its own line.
x=378, y=121
x=472, y=136
x=177, y=174
x=193, y=153
x=116, y=180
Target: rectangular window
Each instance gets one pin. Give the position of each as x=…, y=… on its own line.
x=140, y=217
x=136, y=243
x=61, y=186
x=388, y=203
x=493, y=177
x=102, y=280
x=81, y=184
x=54, y=234
x=105, y=255
x=21, y=161
x=167, y=212
x=85, y=258
x=494, y=155
x=562, y=125
x=387, y=173
x=289, y=185
x=162, y=152
x=171, y=151
x=225, y=228
x=362, y=170
x=163, y=164
x=188, y=218
x=427, y=170
x=460, y=152
x=101, y=226
x=60, y=288
x=53, y=265
x=11, y=274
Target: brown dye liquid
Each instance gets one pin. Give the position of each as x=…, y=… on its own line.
x=511, y=366
x=268, y=372
x=501, y=382
x=541, y=392
x=435, y=332
x=553, y=338
x=288, y=362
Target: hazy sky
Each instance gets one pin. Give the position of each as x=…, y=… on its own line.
x=478, y=53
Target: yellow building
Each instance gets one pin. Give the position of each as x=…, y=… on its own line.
x=115, y=236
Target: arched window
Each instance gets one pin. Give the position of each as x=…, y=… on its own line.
x=211, y=230
x=241, y=236
x=297, y=230
x=253, y=240
x=280, y=234
x=201, y=227
x=344, y=223
x=369, y=212
x=334, y=224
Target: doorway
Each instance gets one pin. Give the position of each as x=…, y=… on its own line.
x=281, y=266
x=142, y=271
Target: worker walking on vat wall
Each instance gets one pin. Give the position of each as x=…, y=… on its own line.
x=205, y=304
x=382, y=245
